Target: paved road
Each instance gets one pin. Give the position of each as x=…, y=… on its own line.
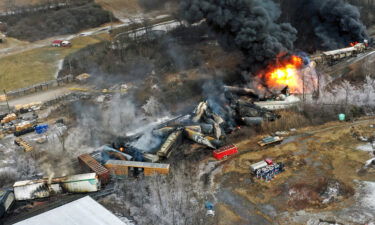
x=94, y=31
x=41, y=96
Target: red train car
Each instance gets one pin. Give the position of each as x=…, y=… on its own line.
x=89, y=162
x=225, y=152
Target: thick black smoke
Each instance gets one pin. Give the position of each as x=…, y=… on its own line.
x=248, y=25
x=324, y=24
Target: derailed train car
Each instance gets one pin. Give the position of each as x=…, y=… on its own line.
x=330, y=57
x=6, y=201
x=43, y=188
x=32, y=189
x=88, y=162
x=166, y=148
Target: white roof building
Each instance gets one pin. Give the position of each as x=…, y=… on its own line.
x=84, y=211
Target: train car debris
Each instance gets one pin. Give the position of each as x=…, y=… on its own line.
x=225, y=151
x=199, y=111
x=90, y=163
x=151, y=157
x=120, y=168
x=330, y=57
x=32, y=189
x=270, y=140
x=46, y=187
x=7, y=200
x=166, y=148
x=80, y=183
x=164, y=131
x=198, y=138
x=252, y=121
x=241, y=91
x=8, y=118
x=23, y=144
x=107, y=153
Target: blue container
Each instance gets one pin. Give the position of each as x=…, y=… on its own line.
x=40, y=129
x=209, y=205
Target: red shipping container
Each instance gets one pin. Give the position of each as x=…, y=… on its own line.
x=225, y=152
x=89, y=162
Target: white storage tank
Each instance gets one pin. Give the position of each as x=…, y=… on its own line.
x=256, y=166
x=81, y=183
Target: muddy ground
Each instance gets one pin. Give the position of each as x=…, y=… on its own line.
x=322, y=181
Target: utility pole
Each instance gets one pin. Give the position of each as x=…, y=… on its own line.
x=6, y=99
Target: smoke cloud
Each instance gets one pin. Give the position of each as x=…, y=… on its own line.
x=325, y=24
x=248, y=25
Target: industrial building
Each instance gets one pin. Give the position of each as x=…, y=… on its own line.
x=82, y=211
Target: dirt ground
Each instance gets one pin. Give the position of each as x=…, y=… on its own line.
x=318, y=160
x=121, y=8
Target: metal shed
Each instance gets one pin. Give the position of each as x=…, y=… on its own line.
x=84, y=211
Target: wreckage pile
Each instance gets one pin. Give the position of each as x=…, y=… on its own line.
x=207, y=125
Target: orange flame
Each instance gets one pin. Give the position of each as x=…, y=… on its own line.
x=354, y=44
x=284, y=73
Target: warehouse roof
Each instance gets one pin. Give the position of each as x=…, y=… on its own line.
x=80, y=212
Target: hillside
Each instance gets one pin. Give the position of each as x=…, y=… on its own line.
x=120, y=8
x=33, y=26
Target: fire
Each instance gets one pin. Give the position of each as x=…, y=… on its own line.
x=354, y=43
x=286, y=72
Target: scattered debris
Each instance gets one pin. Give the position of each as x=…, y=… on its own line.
x=8, y=118
x=22, y=143
x=281, y=133
x=40, y=129
x=210, y=209
x=6, y=201
x=270, y=140
x=82, y=77
x=266, y=169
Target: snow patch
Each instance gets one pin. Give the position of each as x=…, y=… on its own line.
x=366, y=147
x=368, y=198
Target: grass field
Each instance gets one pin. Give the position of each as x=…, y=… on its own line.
x=38, y=65
x=120, y=8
